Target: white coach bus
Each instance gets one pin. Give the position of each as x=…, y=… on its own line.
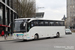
x=32, y=28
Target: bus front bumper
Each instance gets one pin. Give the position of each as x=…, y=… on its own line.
x=19, y=36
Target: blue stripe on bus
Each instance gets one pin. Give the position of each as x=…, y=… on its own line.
x=20, y=34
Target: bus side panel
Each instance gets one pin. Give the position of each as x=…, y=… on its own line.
x=46, y=31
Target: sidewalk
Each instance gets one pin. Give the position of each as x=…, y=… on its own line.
x=8, y=38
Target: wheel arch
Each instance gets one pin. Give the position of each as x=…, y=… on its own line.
x=37, y=35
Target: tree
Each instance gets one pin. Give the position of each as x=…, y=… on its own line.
x=25, y=8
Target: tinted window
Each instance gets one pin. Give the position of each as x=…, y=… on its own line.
x=32, y=23
x=35, y=23
x=51, y=23
x=46, y=23
x=56, y=23
x=41, y=23
x=62, y=23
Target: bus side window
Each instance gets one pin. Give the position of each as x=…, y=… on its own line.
x=51, y=23
x=35, y=23
x=32, y=24
x=41, y=23
x=46, y=23
x=56, y=23
x=62, y=23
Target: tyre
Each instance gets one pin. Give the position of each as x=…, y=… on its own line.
x=36, y=37
x=58, y=35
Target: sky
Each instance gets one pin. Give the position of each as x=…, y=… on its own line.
x=54, y=9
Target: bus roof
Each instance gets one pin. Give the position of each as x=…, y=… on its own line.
x=37, y=19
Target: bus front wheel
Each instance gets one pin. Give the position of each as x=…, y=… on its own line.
x=36, y=36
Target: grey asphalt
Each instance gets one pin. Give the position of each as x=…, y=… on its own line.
x=66, y=42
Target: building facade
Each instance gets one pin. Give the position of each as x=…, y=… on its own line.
x=71, y=13
x=7, y=13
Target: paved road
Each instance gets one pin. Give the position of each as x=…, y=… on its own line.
x=64, y=43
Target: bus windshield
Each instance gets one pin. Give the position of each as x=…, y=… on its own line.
x=20, y=26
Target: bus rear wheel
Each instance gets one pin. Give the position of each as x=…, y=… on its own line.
x=58, y=35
